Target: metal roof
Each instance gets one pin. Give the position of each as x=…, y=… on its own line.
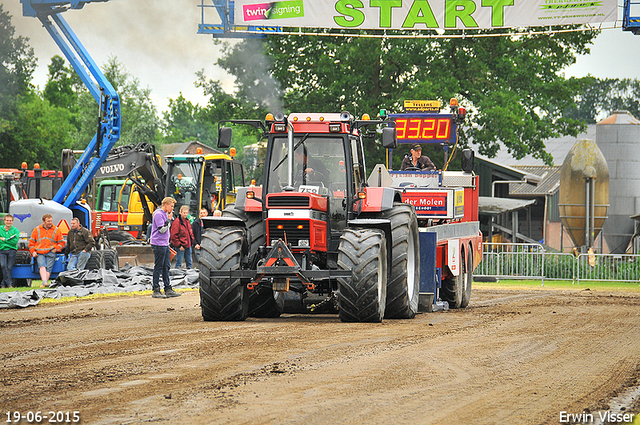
x=549, y=181
x=558, y=148
x=494, y=206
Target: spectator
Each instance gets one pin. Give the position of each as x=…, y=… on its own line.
x=417, y=160
x=182, y=237
x=79, y=245
x=45, y=241
x=197, y=228
x=9, y=236
x=160, y=245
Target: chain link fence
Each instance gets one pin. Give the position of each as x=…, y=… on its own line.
x=531, y=261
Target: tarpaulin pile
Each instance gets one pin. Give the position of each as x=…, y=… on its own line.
x=80, y=283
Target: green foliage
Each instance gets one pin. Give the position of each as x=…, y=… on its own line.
x=140, y=122
x=62, y=86
x=30, y=129
x=600, y=98
x=17, y=64
x=512, y=86
x=41, y=132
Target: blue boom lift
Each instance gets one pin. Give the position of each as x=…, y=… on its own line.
x=67, y=202
x=631, y=16
x=108, y=133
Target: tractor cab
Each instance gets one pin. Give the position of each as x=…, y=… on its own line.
x=203, y=181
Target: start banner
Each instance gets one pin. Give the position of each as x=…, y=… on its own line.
x=423, y=14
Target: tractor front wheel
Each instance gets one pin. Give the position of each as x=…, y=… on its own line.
x=362, y=298
x=222, y=299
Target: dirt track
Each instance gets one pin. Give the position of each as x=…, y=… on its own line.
x=516, y=357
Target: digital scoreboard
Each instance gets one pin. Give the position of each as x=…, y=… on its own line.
x=425, y=127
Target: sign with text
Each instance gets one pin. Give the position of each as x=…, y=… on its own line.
x=435, y=203
x=412, y=15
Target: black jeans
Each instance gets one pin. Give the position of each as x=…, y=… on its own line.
x=161, y=265
x=7, y=260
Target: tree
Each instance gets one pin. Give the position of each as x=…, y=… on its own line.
x=17, y=64
x=40, y=134
x=599, y=98
x=140, y=122
x=62, y=85
x=512, y=86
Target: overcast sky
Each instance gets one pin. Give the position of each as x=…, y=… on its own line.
x=157, y=42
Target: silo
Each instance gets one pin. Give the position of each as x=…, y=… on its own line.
x=584, y=192
x=618, y=137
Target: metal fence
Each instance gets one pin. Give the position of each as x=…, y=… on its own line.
x=531, y=261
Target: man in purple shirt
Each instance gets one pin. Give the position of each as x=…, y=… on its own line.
x=162, y=218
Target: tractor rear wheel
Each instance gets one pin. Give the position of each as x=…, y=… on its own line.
x=403, y=287
x=362, y=298
x=225, y=299
x=453, y=289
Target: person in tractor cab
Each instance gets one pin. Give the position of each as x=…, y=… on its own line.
x=45, y=241
x=417, y=161
x=79, y=245
x=182, y=237
x=310, y=169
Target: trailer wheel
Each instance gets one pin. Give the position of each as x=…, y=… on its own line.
x=222, y=298
x=403, y=288
x=453, y=289
x=96, y=260
x=467, y=279
x=363, y=297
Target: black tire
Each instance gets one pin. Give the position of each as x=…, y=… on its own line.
x=118, y=235
x=223, y=299
x=404, y=285
x=467, y=279
x=111, y=260
x=363, y=297
x=23, y=257
x=453, y=288
x=22, y=283
x=263, y=301
x=96, y=260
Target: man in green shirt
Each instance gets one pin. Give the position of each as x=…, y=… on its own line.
x=9, y=236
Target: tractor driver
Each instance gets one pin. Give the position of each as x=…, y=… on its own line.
x=312, y=168
x=417, y=161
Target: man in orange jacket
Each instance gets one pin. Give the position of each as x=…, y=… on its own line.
x=46, y=240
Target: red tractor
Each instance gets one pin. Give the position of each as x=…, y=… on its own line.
x=313, y=234
x=318, y=235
